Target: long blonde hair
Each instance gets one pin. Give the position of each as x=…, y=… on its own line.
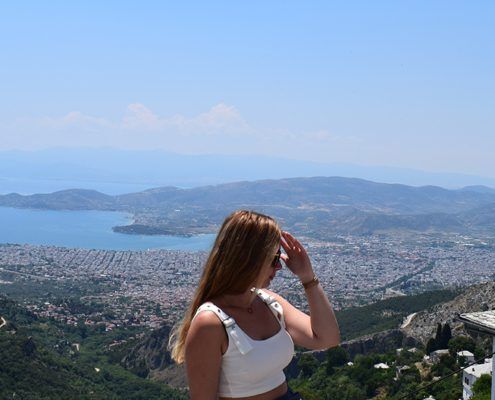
x=246, y=241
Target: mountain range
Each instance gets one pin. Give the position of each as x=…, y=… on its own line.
x=113, y=170
x=317, y=207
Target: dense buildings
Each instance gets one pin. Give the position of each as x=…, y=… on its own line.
x=154, y=286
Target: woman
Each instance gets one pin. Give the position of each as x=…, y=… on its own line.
x=235, y=339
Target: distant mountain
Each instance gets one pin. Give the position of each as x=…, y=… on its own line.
x=71, y=199
x=103, y=168
x=478, y=189
x=318, y=206
x=306, y=193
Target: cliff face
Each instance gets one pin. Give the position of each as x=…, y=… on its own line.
x=151, y=353
x=381, y=342
x=475, y=298
x=150, y=358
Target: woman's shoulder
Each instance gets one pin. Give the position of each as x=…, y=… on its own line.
x=208, y=315
x=206, y=319
x=205, y=327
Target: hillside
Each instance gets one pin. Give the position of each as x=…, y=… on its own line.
x=42, y=359
x=387, y=314
x=317, y=207
x=80, y=362
x=475, y=298
x=361, y=330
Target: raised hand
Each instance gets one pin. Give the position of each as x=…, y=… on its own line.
x=296, y=257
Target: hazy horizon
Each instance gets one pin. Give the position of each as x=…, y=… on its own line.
x=113, y=171
x=398, y=85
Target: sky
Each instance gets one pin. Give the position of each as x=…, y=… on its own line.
x=405, y=84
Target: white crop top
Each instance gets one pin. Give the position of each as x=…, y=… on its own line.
x=250, y=367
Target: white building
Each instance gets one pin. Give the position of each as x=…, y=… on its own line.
x=436, y=355
x=467, y=355
x=483, y=322
x=471, y=375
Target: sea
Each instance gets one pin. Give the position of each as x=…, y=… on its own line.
x=82, y=229
x=88, y=230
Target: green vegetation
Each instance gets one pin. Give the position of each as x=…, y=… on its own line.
x=43, y=359
x=482, y=388
x=336, y=379
x=47, y=359
x=48, y=289
x=408, y=376
x=387, y=314
x=441, y=340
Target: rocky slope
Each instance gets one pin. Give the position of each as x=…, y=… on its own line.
x=475, y=298
x=150, y=358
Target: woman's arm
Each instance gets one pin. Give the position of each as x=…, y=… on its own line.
x=204, y=356
x=320, y=330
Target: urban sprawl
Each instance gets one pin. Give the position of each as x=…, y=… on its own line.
x=151, y=288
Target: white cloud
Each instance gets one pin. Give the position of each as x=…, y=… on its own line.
x=138, y=116
x=221, y=119
x=221, y=129
x=74, y=119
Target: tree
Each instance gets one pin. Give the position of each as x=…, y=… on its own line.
x=460, y=343
x=482, y=387
x=336, y=357
x=479, y=353
x=446, y=335
x=158, y=310
x=431, y=346
x=308, y=364
x=438, y=335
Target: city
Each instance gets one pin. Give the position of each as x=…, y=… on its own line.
x=152, y=288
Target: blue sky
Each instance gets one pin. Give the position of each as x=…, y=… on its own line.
x=406, y=84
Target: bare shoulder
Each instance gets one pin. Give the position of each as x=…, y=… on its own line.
x=206, y=336
x=203, y=354
x=205, y=325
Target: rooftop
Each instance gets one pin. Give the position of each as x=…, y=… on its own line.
x=480, y=369
x=483, y=321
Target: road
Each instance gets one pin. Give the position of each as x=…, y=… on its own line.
x=408, y=320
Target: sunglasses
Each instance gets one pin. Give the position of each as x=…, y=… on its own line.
x=276, y=258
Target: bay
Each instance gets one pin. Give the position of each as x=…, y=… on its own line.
x=86, y=229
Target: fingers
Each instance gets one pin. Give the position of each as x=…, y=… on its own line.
x=285, y=245
x=290, y=240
